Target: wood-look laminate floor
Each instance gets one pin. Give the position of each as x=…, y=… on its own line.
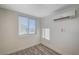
x=36, y=50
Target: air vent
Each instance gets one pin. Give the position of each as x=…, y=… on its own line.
x=65, y=15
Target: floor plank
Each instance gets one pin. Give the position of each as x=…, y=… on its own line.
x=36, y=50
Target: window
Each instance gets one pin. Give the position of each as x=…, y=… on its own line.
x=46, y=33
x=32, y=26
x=26, y=25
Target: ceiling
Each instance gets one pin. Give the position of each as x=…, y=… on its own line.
x=38, y=10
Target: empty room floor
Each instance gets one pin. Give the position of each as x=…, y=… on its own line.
x=36, y=50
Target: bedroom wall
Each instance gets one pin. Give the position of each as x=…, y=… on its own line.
x=64, y=34
x=10, y=41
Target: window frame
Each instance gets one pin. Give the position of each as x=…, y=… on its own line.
x=28, y=25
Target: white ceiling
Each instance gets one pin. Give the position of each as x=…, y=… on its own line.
x=38, y=10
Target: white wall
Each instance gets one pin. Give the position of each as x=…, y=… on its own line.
x=66, y=42
x=10, y=41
